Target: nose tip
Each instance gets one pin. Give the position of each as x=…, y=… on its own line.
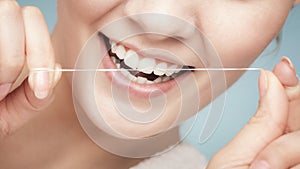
x=164, y=25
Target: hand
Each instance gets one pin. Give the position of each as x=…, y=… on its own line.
x=284, y=152
x=24, y=42
x=266, y=130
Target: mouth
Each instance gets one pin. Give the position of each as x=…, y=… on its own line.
x=141, y=71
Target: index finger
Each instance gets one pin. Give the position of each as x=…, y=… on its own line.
x=39, y=51
x=39, y=48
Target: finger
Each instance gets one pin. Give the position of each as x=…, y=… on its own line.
x=39, y=51
x=285, y=72
x=267, y=124
x=35, y=94
x=281, y=153
x=11, y=45
x=18, y=108
x=293, y=92
x=294, y=116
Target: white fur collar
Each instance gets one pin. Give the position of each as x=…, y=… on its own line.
x=182, y=156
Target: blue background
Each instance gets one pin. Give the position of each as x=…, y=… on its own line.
x=242, y=98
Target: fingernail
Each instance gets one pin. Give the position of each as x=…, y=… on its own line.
x=288, y=62
x=41, y=84
x=263, y=83
x=57, y=75
x=4, y=89
x=260, y=165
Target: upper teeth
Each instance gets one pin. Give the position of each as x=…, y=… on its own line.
x=146, y=65
x=131, y=59
x=143, y=64
x=160, y=69
x=121, y=52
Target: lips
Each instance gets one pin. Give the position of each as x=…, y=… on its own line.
x=140, y=75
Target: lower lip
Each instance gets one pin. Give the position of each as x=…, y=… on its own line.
x=140, y=90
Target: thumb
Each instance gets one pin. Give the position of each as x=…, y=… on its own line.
x=266, y=125
x=22, y=104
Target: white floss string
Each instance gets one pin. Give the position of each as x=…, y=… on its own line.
x=120, y=70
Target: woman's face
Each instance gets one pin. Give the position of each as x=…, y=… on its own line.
x=237, y=31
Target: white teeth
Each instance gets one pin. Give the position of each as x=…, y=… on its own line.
x=146, y=65
x=171, y=70
x=149, y=82
x=113, y=47
x=131, y=77
x=132, y=59
x=166, y=78
x=114, y=59
x=121, y=52
x=158, y=80
x=141, y=80
x=125, y=72
x=160, y=69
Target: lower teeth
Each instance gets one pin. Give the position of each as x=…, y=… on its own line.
x=142, y=80
x=138, y=79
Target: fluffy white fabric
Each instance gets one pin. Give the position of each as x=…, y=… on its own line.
x=182, y=156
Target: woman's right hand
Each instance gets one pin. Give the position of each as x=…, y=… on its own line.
x=25, y=44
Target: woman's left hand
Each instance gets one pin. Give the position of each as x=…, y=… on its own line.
x=271, y=139
x=284, y=152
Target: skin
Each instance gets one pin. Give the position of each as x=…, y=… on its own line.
x=272, y=124
x=31, y=116
x=248, y=19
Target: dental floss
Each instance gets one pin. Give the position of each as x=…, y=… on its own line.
x=120, y=70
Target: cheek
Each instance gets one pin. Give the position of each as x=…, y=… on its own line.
x=88, y=10
x=75, y=18
x=241, y=32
